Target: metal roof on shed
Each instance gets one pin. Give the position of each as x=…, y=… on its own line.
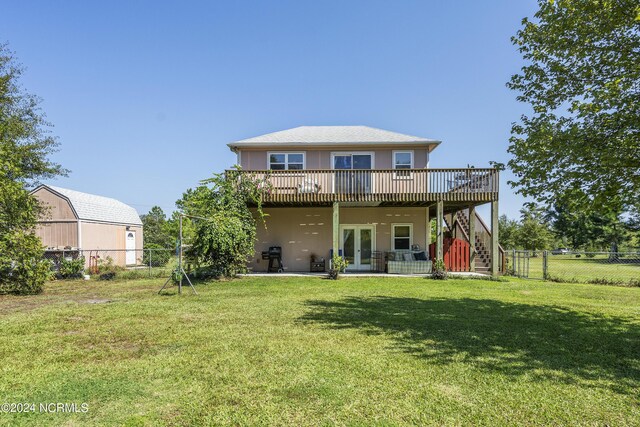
x=91, y=207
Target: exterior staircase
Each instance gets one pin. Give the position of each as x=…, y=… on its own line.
x=483, y=251
x=458, y=225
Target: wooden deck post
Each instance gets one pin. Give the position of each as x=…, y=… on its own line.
x=439, y=237
x=427, y=241
x=495, y=253
x=336, y=228
x=472, y=238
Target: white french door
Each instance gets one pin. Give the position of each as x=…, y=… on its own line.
x=358, y=244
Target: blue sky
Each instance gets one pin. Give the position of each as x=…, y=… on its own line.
x=144, y=96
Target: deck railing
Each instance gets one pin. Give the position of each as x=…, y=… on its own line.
x=375, y=185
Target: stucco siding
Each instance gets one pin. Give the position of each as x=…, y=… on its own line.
x=320, y=158
x=299, y=231
x=383, y=218
x=305, y=231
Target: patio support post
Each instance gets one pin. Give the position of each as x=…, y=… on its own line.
x=336, y=228
x=494, y=239
x=472, y=238
x=439, y=219
x=427, y=241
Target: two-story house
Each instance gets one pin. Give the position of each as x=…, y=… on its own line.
x=365, y=193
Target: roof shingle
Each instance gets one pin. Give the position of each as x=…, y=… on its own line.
x=98, y=208
x=333, y=135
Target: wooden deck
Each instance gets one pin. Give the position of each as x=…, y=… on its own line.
x=380, y=186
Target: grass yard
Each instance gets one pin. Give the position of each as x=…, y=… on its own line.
x=570, y=268
x=308, y=351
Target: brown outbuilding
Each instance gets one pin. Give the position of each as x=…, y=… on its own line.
x=82, y=222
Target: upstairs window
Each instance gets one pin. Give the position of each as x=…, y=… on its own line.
x=403, y=160
x=286, y=161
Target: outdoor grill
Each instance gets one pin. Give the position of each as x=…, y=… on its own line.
x=274, y=255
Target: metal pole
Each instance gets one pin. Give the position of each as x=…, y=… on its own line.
x=180, y=270
x=149, y=262
x=180, y=257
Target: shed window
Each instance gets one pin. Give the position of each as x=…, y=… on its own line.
x=286, y=161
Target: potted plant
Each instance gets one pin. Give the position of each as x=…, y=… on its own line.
x=439, y=270
x=338, y=265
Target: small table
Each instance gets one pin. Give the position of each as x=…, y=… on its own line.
x=317, y=266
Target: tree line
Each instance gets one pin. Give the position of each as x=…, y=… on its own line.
x=560, y=226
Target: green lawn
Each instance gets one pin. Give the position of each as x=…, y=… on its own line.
x=583, y=269
x=308, y=351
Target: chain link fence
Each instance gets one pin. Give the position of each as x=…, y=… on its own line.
x=124, y=263
x=572, y=266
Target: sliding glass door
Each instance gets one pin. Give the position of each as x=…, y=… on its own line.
x=352, y=174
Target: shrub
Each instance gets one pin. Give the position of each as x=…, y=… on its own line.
x=157, y=254
x=557, y=279
x=224, y=226
x=105, y=265
x=439, y=270
x=338, y=265
x=223, y=245
x=633, y=283
x=107, y=276
x=71, y=269
x=22, y=267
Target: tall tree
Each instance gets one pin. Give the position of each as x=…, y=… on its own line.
x=156, y=230
x=158, y=241
x=534, y=233
x=592, y=228
x=508, y=232
x=25, y=146
x=582, y=82
x=569, y=217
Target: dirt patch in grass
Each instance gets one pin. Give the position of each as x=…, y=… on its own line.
x=12, y=303
x=96, y=301
x=72, y=291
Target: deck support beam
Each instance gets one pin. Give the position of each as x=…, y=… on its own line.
x=472, y=238
x=427, y=240
x=336, y=228
x=439, y=236
x=495, y=253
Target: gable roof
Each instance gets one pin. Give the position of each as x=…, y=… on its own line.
x=96, y=208
x=333, y=135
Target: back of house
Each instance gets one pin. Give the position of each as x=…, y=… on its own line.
x=369, y=195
